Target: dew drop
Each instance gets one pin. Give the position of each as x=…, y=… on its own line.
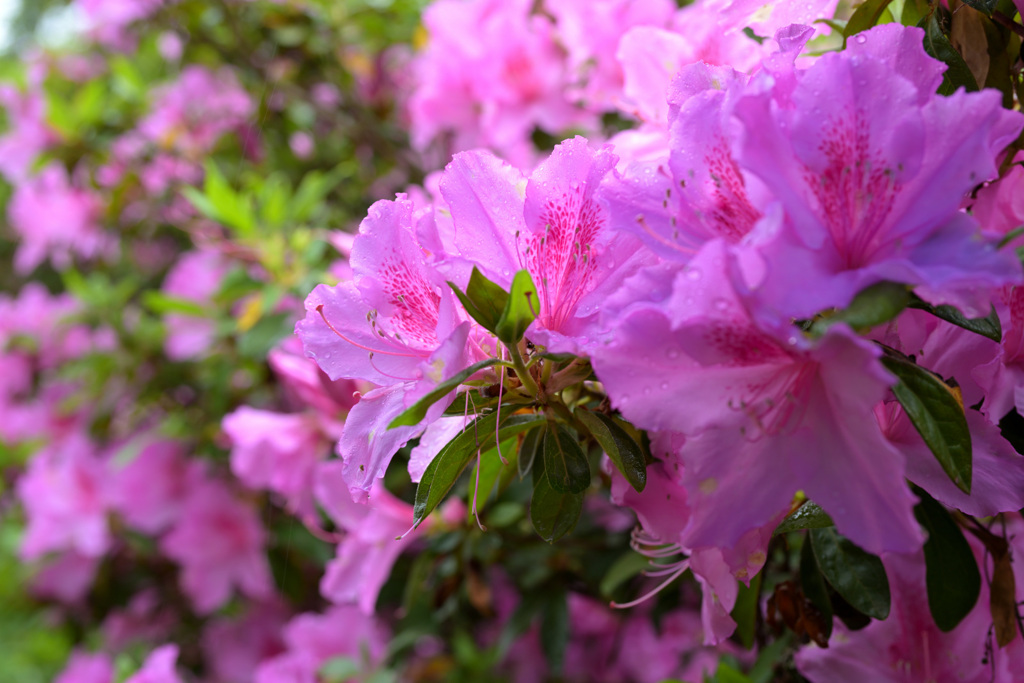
x=664, y=386
x=721, y=304
x=861, y=38
x=672, y=354
x=647, y=391
x=693, y=274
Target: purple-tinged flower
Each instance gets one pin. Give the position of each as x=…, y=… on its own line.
x=218, y=541
x=765, y=411
x=191, y=114
x=28, y=133
x=396, y=325
x=313, y=639
x=195, y=277
x=66, y=494
x=552, y=224
x=87, y=668
x=149, y=491
x=234, y=648
x=870, y=168
x=370, y=545
x=55, y=219
x=158, y=667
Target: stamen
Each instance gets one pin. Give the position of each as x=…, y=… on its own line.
x=400, y=379
x=320, y=310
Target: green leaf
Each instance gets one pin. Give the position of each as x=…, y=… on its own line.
x=618, y=445
x=565, y=464
x=623, y=569
x=858, y=576
x=415, y=413
x=520, y=309
x=744, y=613
x=312, y=191
x=812, y=583
x=472, y=402
x=484, y=300
x=951, y=572
x=913, y=12
x=489, y=467
x=554, y=631
x=161, y=303
x=937, y=45
x=444, y=470
x=866, y=16
x=554, y=514
x=984, y=6
x=873, y=306
x=937, y=415
x=727, y=674
x=807, y=516
x=988, y=326
x=531, y=445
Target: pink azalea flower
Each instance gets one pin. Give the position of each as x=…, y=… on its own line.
x=490, y=73
x=196, y=277
x=306, y=385
x=369, y=549
x=590, y=32
x=190, y=114
x=158, y=667
x=551, y=224
x=28, y=133
x=87, y=668
x=276, y=451
x=908, y=646
x=66, y=495
x=149, y=491
x=870, y=168
x=68, y=578
x=999, y=207
x=313, y=639
x=218, y=541
x=1002, y=376
x=396, y=326
x=765, y=412
x=234, y=648
x=55, y=220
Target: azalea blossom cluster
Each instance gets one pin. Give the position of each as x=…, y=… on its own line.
x=725, y=381
x=709, y=289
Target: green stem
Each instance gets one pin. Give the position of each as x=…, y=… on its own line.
x=521, y=372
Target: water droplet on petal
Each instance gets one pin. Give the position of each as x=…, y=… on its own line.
x=693, y=274
x=721, y=304
x=861, y=38
x=664, y=386
x=672, y=353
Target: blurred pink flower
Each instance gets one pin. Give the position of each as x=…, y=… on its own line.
x=66, y=494
x=55, y=219
x=190, y=114
x=195, y=278
x=158, y=667
x=218, y=541
x=87, y=668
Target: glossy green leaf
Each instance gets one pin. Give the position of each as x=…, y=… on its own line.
x=490, y=466
x=532, y=443
x=937, y=415
x=873, y=306
x=951, y=572
x=744, y=612
x=554, y=514
x=937, y=45
x=484, y=300
x=867, y=15
x=565, y=464
x=807, y=516
x=858, y=576
x=415, y=413
x=988, y=326
x=984, y=6
x=812, y=583
x=446, y=467
x=520, y=309
x=618, y=445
